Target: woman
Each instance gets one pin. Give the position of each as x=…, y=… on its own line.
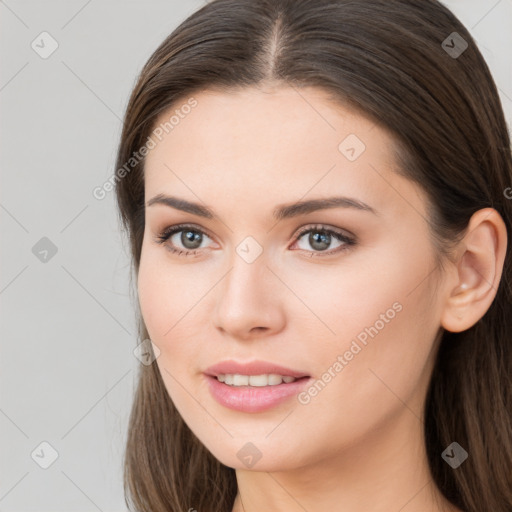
x=315, y=193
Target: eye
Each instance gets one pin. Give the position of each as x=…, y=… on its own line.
x=190, y=238
x=186, y=240
x=320, y=239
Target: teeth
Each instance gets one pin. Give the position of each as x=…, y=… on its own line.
x=240, y=380
x=254, y=380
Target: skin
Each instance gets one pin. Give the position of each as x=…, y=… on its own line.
x=359, y=442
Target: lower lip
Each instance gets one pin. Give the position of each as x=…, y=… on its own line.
x=254, y=398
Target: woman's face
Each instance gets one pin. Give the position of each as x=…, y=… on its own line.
x=342, y=296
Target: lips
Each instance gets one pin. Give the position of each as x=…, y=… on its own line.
x=252, y=368
x=254, y=399
x=251, y=399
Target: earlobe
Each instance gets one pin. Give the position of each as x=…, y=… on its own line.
x=473, y=287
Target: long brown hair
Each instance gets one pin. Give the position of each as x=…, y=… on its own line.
x=399, y=64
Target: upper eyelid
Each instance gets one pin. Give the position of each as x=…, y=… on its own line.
x=324, y=227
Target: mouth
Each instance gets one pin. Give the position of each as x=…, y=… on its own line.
x=238, y=380
x=260, y=373
x=255, y=393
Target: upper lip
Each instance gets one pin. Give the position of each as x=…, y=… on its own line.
x=252, y=368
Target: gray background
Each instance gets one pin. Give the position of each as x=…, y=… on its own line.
x=67, y=323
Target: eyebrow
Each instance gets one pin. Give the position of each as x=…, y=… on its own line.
x=281, y=212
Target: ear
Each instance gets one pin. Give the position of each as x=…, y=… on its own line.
x=473, y=283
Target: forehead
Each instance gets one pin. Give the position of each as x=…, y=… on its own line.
x=258, y=144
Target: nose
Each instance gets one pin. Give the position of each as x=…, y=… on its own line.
x=249, y=301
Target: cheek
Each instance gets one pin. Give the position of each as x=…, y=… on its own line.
x=385, y=323
x=166, y=292
x=172, y=299
x=152, y=298
x=369, y=286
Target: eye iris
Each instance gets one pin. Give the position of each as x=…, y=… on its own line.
x=191, y=236
x=319, y=238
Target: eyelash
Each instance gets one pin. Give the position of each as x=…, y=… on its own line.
x=348, y=242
